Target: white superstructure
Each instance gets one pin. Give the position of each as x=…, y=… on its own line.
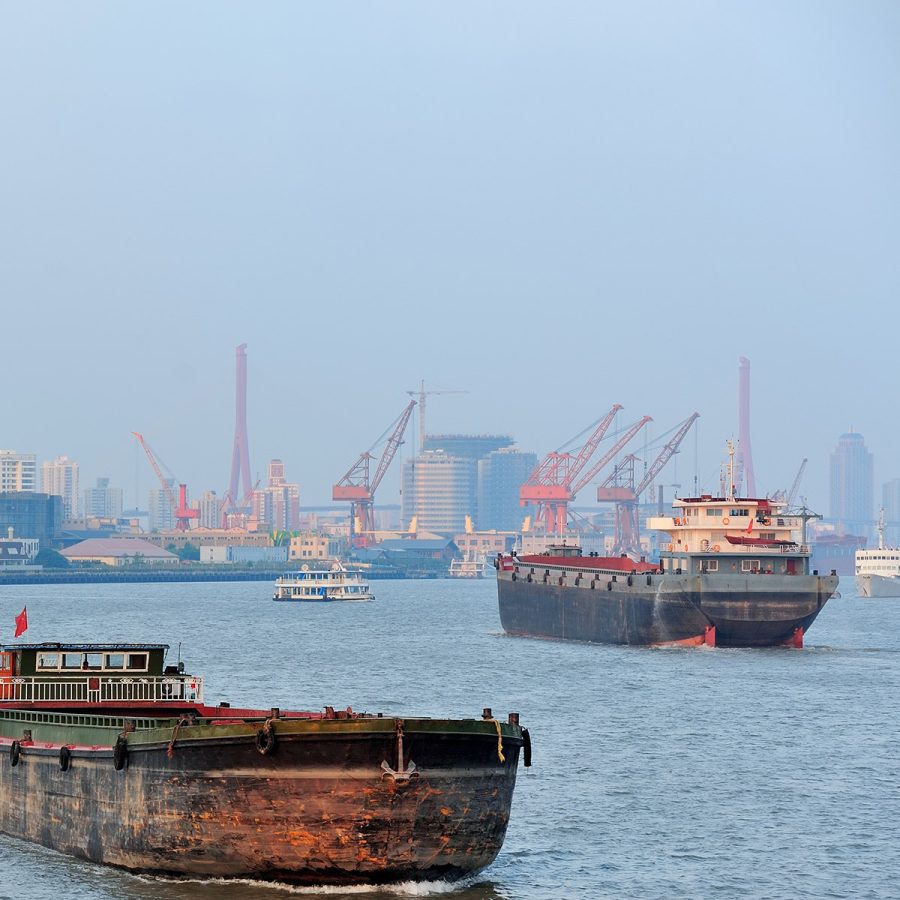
x=321, y=585
x=878, y=569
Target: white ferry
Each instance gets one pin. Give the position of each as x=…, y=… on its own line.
x=322, y=585
x=472, y=565
x=878, y=569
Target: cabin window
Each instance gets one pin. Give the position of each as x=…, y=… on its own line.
x=115, y=660
x=739, y=512
x=93, y=660
x=48, y=661
x=71, y=660
x=767, y=535
x=5, y=661
x=137, y=661
x=712, y=565
x=714, y=512
x=749, y=565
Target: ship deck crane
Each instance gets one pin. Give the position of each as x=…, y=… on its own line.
x=359, y=489
x=184, y=515
x=619, y=488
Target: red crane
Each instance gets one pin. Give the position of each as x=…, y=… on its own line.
x=619, y=488
x=356, y=486
x=558, y=477
x=183, y=514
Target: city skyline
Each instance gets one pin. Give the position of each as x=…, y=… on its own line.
x=552, y=210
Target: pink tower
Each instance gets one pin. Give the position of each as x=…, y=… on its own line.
x=744, y=450
x=240, y=460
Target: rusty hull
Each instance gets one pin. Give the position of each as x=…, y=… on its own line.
x=327, y=802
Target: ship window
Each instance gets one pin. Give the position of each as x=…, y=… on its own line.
x=48, y=661
x=712, y=565
x=137, y=661
x=115, y=660
x=714, y=512
x=749, y=565
x=71, y=660
x=93, y=660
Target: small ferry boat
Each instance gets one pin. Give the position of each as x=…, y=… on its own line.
x=322, y=585
x=732, y=571
x=110, y=755
x=472, y=565
x=878, y=569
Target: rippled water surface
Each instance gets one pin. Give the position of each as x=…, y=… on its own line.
x=657, y=773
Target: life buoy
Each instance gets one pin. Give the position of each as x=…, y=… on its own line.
x=724, y=520
x=715, y=548
x=120, y=753
x=15, y=749
x=65, y=758
x=671, y=547
x=526, y=748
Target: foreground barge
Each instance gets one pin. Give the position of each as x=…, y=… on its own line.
x=733, y=572
x=109, y=756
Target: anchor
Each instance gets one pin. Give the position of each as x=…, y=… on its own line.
x=402, y=774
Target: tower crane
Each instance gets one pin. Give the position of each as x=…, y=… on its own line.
x=359, y=489
x=620, y=488
x=558, y=478
x=421, y=394
x=184, y=515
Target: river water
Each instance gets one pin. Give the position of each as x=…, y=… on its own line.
x=657, y=773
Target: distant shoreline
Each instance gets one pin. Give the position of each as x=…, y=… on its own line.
x=148, y=576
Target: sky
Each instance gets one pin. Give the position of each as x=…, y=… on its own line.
x=552, y=207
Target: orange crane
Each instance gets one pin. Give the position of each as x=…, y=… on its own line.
x=558, y=478
x=183, y=514
x=620, y=489
x=359, y=489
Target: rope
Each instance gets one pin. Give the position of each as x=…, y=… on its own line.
x=500, y=755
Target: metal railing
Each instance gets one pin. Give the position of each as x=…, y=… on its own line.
x=95, y=689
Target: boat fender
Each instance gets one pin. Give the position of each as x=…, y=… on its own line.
x=65, y=758
x=715, y=548
x=265, y=739
x=526, y=748
x=609, y=585
x=120, y=753
x=530, y=579
x=561, y=579
x=513, y=576
x=15, y=749
x=649, y=580
x=630, y=581
x=671, y=547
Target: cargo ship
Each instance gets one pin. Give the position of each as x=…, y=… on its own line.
x=109, y=755
x=732, y=572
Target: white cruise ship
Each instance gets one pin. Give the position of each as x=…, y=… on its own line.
x=878, y=569
x=322, y=585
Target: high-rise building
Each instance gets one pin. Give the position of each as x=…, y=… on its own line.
x=278, y=504
x=162, y=514
x=210, y=507
x=467, y=446
x=439, y=490
x=60, y=478
x=18, y=471
x=852, y=487
x=102, y=501
x=31, y=515
x=890, y=502
x=500, y=475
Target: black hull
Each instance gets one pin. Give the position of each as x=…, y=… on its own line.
x=750, y=611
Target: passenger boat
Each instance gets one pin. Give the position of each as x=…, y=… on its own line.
x=472, y=565
x=110, y=755
x=732, y=572
x=878, y=569
x=322, y=585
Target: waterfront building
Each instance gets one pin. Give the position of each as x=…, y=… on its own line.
x=18, y=471
x=500, y=475
x=852, y=486
x=118, y=552
x=17, y=552
x=210, y=507
x=162, y=513
x=311, y=545
x=278, y=504
x=31, y=515
x=102, y=501
x=60, y=478
x=439, y=491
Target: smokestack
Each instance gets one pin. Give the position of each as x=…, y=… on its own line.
x=744, y=450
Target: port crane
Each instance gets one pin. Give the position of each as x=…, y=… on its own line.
x=357, y=487
x=421, y=394
x=184, y=515
x=619, y=488
x=558, y=477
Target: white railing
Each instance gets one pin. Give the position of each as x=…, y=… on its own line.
x=94, y=689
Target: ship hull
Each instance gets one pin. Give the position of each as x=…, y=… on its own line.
x=877, y=586
x=748, y=611
x=330, y=802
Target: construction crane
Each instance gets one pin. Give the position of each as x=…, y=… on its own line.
x=420, y=394
x=359, y=489
x=789, y=498
x=558, y=478
x=620, y=488
x=183, y=514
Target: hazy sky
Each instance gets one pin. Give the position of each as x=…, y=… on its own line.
x=552, y=206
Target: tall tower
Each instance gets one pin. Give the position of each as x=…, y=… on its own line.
x=744, y=451
x=240, y=459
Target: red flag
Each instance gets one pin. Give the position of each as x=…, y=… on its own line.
x=750, y=525
x=22, y=622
